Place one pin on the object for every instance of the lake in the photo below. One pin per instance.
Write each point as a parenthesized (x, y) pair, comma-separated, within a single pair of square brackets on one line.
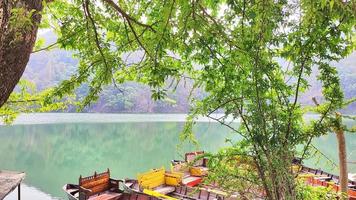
[(54, 149)]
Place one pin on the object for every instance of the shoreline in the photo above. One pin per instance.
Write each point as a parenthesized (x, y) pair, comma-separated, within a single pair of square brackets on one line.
[(58, 118)]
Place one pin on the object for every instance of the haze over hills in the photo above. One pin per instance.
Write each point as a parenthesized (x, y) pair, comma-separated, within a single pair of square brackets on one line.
[(48, 68), (347, 73)]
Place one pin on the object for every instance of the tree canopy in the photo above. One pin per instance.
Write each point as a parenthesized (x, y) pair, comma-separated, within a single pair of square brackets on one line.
[(232, 50)]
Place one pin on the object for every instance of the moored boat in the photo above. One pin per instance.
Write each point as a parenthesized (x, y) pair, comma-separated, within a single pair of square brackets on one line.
[(316, 177), (180, 183), (72, 191), (312, 176), (101, 187), (161, 184), (156, 184)]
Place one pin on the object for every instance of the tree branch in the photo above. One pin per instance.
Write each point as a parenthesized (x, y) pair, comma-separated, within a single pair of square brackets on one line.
[(97, 42), (164, 30), (22, 101), (127, 16), (138, 39)]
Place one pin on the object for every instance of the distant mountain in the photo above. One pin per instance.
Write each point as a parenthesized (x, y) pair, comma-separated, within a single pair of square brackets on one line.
[(48, 68)]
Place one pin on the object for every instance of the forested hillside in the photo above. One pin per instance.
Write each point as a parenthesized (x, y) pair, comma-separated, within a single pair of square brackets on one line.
[(48, 68)]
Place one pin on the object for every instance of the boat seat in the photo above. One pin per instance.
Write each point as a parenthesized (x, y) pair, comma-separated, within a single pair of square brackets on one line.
[(159, 182), (191, 181), (199, 165), (323, 178), (158, 178), (98, 187), (198, 171), (106, 196), (165, 189)]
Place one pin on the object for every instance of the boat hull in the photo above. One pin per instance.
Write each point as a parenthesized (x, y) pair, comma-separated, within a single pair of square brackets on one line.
[(71, 190)]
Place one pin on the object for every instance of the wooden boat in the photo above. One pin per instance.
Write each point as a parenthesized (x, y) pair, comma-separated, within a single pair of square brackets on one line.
[(180, 192), (153, 185), (316, 177), (99, 187), (72, 192), (312, 176), (192, 164), (160, 184), (180, 183)]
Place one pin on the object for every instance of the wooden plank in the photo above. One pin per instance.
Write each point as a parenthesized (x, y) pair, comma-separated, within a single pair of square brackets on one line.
[(153, 182), (198, 171), (173, 178), (150, 174), (90, 179), (158, 195), (98, 183), (99, 188), (106, 196), (165, 190), (94, 183), (192, 181), (9, 180), (151, 178)]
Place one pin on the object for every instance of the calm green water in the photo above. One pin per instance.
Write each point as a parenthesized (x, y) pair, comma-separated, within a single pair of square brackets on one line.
[(57, 153)]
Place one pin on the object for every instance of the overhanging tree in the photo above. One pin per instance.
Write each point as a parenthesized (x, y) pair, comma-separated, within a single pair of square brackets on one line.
[(252, 57), (231, 49)]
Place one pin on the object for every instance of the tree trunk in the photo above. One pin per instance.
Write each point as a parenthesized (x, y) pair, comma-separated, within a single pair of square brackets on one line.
[(16, 43), (342, 161)]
